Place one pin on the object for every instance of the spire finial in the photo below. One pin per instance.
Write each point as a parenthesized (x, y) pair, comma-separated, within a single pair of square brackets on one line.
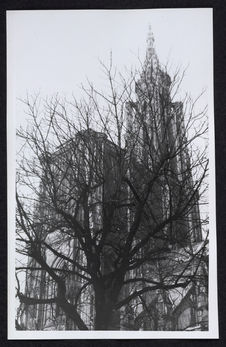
[(150, 37), (151, 54)]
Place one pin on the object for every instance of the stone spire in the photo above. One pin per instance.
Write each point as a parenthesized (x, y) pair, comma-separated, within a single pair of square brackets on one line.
[(151, 56)]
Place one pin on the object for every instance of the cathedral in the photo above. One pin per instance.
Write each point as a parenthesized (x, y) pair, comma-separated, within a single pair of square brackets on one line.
[(151, 171)]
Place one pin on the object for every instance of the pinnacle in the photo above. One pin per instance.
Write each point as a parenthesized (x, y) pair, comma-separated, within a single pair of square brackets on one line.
[(151, 53)]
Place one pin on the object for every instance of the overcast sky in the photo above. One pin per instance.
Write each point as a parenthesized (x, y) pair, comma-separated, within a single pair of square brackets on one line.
[(55, 51)]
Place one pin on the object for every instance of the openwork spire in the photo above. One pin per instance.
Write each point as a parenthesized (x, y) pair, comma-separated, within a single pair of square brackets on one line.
[(151, 56)]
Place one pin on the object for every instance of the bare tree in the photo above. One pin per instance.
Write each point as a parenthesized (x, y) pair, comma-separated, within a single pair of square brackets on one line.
[(108, 197)]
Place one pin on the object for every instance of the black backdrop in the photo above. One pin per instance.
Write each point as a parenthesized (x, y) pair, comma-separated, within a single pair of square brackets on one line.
[(219, 19)]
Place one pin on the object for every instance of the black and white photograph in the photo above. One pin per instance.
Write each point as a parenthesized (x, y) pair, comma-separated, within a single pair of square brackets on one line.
[(111, 174)]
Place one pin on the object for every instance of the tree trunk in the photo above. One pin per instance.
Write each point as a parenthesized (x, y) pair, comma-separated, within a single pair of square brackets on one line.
[(103, 316), (106, 317)]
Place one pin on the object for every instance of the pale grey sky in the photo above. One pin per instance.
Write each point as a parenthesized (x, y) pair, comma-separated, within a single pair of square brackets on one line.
[(55, 51)]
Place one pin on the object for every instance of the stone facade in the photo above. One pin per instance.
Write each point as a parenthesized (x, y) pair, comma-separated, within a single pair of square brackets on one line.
[(161, 310)]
